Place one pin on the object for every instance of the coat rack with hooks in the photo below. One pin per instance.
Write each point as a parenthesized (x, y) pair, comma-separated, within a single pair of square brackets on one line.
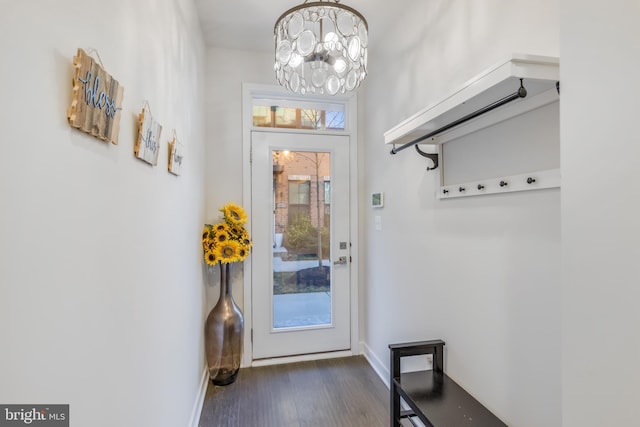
[(506, 184), (486, 100)]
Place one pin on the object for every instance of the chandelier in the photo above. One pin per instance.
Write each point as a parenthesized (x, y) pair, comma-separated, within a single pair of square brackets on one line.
[(321, 48)]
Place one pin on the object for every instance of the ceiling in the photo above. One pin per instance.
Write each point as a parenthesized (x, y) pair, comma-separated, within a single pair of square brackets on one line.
[(248, 24)]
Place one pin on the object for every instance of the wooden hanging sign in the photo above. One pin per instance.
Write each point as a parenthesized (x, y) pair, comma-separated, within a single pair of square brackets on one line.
[(97, 99), (176, 155), (147, 146)]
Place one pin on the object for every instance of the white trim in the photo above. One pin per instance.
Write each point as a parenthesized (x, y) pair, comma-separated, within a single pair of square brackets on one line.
[(377, 365), (351, 126), (247, 122), (301, 358), (299, 177), (287, 102), (197, 405), (262, 91), (249, 91), (294, 130)]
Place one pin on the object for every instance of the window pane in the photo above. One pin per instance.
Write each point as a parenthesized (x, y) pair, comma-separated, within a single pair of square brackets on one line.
[(294, 114), (327, 203), (311, 119), (261, 116), (335, 120), (287, 118), (327, 192), (299, 192)]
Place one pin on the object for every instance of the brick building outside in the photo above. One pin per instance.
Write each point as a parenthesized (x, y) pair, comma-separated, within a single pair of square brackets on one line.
[(302, 185)]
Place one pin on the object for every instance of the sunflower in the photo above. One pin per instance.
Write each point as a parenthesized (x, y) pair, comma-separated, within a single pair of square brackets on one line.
[(210, 245), (234, 214), (244, 238), (221, 237), (227, 241), (211, 258), (228, 251), (206, 232)]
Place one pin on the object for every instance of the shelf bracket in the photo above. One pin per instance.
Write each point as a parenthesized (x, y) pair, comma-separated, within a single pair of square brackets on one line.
[(433, 157)]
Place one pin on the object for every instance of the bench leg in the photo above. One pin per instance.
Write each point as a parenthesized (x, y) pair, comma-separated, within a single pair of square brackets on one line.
[(394, 407)]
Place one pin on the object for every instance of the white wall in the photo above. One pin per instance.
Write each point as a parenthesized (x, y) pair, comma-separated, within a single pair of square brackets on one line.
[(226, 71), (101, 294), (481, 273), (600, 211)]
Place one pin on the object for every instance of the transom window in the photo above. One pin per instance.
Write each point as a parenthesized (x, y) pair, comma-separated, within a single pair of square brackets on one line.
[(278, 113)]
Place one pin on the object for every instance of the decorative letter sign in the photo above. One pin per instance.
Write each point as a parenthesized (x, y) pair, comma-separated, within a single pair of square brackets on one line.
[(176, 156), (97, 99), (148, 144)]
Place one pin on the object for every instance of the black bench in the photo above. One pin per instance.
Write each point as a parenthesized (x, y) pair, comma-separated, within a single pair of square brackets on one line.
[(434, 398)]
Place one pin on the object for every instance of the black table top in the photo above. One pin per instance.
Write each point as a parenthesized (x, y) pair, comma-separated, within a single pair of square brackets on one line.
[(443, 402)]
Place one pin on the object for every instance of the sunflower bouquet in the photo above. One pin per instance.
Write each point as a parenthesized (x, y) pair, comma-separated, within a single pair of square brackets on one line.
[(227, 241)]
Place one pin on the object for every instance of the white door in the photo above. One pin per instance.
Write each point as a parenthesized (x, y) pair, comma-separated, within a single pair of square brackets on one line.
[(300, 258)]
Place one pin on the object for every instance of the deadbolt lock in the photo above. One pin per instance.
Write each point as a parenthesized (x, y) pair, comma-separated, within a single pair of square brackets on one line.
[(341, 260)]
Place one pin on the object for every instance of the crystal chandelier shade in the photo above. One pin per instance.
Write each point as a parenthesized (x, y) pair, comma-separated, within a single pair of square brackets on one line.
[(321, 48)]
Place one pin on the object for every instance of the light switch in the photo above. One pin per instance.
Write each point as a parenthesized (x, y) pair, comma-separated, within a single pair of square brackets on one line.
[(378, 222)]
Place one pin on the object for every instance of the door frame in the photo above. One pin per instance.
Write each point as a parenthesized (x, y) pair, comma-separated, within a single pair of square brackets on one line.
[(249, 92)]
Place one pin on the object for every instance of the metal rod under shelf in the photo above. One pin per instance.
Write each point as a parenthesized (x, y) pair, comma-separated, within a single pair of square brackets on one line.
[(520, 93)]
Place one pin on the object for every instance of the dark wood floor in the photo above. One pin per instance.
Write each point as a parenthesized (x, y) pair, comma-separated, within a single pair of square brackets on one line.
[(343, 392)]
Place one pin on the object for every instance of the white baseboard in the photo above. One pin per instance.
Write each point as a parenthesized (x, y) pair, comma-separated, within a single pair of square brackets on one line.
[(197, 406), (376, 364), (301, 358)]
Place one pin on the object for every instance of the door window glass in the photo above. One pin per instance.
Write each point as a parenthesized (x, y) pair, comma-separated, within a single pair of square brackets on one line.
[(301, 250)]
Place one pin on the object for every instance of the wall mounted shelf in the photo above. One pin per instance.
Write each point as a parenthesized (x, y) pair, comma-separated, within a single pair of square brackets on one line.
[(490, 98)]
